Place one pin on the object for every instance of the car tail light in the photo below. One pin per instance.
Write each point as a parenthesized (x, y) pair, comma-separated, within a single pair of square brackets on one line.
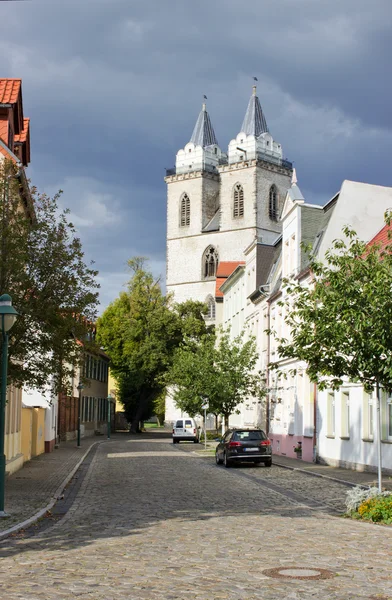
[(234, 444), (265, 443), (173, 430), (194, 431)]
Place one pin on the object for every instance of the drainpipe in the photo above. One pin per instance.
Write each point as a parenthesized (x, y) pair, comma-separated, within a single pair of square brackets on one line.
[(315, 453), (268, 406)]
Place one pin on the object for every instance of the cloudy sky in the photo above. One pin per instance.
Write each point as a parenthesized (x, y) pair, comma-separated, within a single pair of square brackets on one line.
[(113, 89)]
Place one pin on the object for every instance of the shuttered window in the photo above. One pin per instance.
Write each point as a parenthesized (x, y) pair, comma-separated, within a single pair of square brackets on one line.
[(238, 204), (185, 217), (273, 203)]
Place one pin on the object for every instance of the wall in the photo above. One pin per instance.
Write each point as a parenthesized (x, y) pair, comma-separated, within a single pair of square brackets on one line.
[(27, 433), (38, 431), (13, 437)]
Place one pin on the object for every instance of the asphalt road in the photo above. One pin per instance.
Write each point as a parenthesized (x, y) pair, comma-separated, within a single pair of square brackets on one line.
[(149, 520)]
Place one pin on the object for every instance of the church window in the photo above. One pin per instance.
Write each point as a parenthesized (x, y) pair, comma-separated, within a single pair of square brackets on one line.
[(238, 205), (210, 308), (185, 216), (210, 262), (273, 203)]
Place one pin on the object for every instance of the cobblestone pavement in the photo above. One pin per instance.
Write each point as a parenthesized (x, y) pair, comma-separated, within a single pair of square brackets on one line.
[(31, 488), (152, 521)]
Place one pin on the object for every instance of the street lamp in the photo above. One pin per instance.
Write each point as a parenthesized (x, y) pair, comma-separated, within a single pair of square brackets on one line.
[(110, 399), (79, 388), (7, 318)]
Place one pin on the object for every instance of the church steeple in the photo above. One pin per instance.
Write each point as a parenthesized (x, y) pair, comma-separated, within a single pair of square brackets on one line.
[(254, 121), (203, 134)]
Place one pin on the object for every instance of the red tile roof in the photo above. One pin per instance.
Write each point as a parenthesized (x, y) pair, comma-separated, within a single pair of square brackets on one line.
[(4, 130), (22, 136), (9, 90), (383, 237), (225, 269)]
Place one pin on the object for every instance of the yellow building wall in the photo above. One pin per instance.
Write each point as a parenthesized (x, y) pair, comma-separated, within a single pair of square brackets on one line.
[(13, 437), (38, 432), (27, 432)]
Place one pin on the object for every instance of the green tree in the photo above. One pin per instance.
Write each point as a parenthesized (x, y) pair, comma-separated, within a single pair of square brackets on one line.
[(341, 324), (221, 370), (42, 267), (140, 331)]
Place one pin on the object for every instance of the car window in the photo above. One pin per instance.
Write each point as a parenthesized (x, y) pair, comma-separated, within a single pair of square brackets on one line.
[(179, 424), (227, 436), (188, 423), (249, 436)]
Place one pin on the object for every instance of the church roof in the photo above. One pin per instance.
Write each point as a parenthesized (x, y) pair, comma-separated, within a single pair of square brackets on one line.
[(254, 121), (203, 134)]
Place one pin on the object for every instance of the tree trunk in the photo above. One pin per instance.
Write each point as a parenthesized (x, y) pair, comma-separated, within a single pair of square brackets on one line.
[(139, 414)]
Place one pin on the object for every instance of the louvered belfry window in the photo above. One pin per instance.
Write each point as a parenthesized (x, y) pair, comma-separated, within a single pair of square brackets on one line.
[(185, 218), (273, 203), (238, 206)]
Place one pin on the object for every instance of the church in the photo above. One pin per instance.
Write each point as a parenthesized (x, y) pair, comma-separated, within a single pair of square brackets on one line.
[(220, 205), (219, 202)]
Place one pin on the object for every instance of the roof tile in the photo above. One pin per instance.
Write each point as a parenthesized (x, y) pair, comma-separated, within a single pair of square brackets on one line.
[(9, 90)]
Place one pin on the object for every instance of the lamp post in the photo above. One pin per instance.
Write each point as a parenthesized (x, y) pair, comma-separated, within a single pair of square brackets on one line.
[(7, 318), (110, 398), (79, 388)]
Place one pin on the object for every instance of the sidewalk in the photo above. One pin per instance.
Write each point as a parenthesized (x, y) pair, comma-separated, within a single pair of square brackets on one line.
[(345, 475), (40, 480)]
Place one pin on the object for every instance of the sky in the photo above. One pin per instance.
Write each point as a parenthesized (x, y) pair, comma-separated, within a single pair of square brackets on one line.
[(114, 87)]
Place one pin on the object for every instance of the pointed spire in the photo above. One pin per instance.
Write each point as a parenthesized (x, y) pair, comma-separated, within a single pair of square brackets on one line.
[(254, 121), (294, 179), (203, 134)]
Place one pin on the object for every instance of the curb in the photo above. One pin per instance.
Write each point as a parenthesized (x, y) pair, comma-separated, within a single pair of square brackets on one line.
[(314, 474), (57, 493)]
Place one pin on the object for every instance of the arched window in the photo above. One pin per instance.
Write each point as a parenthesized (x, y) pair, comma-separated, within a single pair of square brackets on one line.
[(211, 308), (210, 262), (273, 203), (238, 204), (185, 211)]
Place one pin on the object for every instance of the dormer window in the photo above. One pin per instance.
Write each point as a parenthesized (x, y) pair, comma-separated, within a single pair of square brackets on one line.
[(238, 201)]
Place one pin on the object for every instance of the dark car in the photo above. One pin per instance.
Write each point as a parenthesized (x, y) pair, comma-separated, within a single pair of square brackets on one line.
[(244, 445)]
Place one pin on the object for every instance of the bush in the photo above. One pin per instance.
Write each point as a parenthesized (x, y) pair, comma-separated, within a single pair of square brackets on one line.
[(370, 505), (378, 509)]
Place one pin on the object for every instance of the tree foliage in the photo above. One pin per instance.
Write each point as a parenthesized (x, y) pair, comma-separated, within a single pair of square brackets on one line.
[(221, 370), (140, 331), (42, 267), (341, 325)]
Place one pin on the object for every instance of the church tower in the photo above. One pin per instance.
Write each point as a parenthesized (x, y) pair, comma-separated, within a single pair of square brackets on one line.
[(218, 203)]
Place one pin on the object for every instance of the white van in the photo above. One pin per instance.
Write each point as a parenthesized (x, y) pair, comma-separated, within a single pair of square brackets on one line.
[(185, 430)]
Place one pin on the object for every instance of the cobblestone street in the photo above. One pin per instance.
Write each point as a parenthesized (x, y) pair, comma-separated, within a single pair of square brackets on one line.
[(154, 521)]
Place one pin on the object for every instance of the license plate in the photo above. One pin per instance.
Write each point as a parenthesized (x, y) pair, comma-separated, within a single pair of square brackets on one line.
[(251, 449)]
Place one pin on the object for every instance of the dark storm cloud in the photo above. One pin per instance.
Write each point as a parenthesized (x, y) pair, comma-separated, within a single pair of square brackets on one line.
[(114, 87)]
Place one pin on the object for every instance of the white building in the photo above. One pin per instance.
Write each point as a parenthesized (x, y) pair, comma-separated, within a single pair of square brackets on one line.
[(219, 203), (336, 427)]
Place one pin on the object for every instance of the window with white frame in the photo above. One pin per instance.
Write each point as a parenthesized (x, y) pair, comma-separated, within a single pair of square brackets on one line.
[(368, 421), (345, 414), (331, 414), (389, 418)]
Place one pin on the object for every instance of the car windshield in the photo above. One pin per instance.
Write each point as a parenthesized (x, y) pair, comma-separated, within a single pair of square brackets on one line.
[(249, 436), (179, 424)]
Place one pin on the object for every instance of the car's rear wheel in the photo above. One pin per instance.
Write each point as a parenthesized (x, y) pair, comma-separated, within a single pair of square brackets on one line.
[(218, 460), (175, 441), (226, 461), (268, 463), (195, 441)]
